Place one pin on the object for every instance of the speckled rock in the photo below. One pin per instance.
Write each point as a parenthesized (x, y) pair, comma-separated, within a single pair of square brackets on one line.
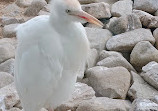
[(155, 34), (9, 97), (105, 81), (5, 79), (98, 37), (126, 41), (146, 5), (143, 53), (140, 89), (9, 30), (98, 10), (150, 75), (35, 7), (86, 1), (111, 60), (81, 92), (7, 66), (125, 23), (144, 105), (121, 8), (104, 104), (11, 20), (7, 52), (147, 19), (23, 3)]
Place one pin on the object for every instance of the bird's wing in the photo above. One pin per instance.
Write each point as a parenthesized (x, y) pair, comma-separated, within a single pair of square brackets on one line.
[(38, 66)]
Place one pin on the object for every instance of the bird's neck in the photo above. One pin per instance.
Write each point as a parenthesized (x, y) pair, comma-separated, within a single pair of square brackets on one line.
[(59, 24)]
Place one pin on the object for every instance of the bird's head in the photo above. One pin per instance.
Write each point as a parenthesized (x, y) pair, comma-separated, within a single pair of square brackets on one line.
[(70, 10)]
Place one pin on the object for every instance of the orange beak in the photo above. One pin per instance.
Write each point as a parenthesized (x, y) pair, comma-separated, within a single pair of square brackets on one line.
[(89, 18)]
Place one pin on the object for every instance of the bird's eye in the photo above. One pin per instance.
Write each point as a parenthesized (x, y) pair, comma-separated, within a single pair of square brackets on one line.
[(68, 11)]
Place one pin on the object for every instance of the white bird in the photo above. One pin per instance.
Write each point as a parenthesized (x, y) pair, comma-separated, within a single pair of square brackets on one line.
[(50, 52)]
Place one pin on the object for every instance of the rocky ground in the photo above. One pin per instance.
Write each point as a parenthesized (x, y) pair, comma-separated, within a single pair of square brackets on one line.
[(122, 69)]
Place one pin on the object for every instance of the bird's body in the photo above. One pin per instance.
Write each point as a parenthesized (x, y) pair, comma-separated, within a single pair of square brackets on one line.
[(50, 53)]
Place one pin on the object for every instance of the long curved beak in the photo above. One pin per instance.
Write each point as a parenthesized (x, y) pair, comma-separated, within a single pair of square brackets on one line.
[(89, 18)]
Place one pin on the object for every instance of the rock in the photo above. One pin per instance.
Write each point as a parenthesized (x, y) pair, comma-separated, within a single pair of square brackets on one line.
[(147, 19), (140, 89), (93, 26), (108, 1), (14, 109), (124, 24), (98, 10), (104, 104), (81, 92), (144, 105), (12, 10), (12, 41), (23, 3), (5, 79), (41, 12), (114, 61), (35, 7), (9, 30), (121, 8), (156, 13), (126, 41), (155, 34), (7, 66), (150, 75), (45, 10), (111, 21), (98, 37), (87, 1), (92, 58), (155, 99), (105, 81), (7, 52), (9, 97), (150, 6), (142, 54), (11, 20)]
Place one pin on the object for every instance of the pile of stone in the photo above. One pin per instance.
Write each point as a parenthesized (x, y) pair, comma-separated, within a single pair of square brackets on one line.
[(122, 69)]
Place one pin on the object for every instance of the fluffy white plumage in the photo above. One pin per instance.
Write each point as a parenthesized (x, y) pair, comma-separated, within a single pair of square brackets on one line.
[(51, 50)]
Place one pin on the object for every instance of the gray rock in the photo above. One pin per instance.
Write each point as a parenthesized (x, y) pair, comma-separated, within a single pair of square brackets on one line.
[(140, 89), (143, 53), (12, 41), (104, 104), (8, 66), (150, 75), (9, 97), (111, 21), (124, 24), (156, 13), (98, 37), (23, 3), (126, 41), (14, 109), (108, 1), (155, 99), (5, 79), (12, 10), (147, 19), (121, 8), (87, 1), (92, 58), (155, 34), (98, 10), (11, 20), (114, 61), (105, 81), (93, 26), (7, 52), (144, 105), (81, 92), (9, 30), (146, 5), (35, 7)]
